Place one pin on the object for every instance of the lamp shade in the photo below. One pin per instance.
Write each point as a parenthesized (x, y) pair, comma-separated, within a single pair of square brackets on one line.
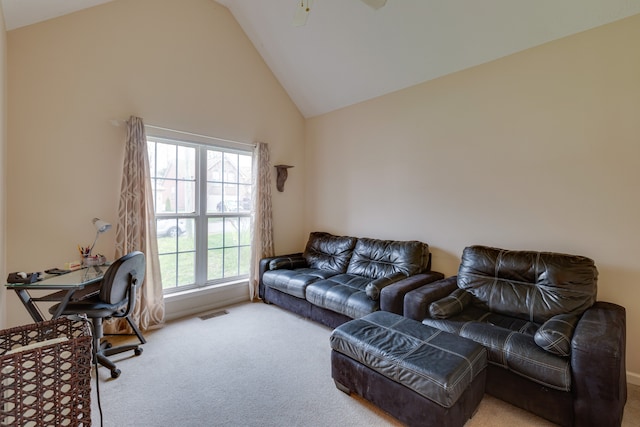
[(101, 225)]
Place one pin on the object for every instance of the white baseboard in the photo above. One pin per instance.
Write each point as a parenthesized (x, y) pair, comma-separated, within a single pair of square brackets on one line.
[(633, 378), (192, 302)]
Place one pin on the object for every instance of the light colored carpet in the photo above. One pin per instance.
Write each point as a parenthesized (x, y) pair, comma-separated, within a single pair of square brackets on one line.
[(258, 365)]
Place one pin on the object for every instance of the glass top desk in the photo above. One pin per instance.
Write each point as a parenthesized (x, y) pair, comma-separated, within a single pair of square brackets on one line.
[(75, 285)]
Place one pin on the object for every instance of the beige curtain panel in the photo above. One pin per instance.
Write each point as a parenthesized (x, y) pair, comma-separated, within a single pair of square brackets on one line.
[(262, 224), (136, 230)]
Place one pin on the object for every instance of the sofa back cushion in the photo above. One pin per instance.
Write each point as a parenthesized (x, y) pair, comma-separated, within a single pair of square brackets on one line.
[(375, 258), (533, 286), (325, 251)]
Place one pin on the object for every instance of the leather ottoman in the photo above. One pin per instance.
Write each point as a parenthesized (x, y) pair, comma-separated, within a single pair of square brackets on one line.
[(419, 374)]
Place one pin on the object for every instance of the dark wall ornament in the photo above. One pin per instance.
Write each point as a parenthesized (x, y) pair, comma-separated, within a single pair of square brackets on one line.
[(282, 176)]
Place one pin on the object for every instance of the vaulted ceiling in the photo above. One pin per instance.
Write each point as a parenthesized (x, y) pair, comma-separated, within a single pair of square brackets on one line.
[(349, 52), (19, 13)]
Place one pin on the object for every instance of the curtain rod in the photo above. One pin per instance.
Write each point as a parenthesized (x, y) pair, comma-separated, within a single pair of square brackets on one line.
[(201, 136), (117, 123)]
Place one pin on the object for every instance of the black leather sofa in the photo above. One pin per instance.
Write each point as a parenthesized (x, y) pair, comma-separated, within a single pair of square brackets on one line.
[(339, 278), (552, 348)]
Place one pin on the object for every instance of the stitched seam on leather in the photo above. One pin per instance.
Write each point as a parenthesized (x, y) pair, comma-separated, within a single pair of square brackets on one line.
[(525, 327), (536, 380), (442, 308), (504, 351), (565, 322), (397, 360), (462, 328), (498, 349), (484, 316), (536, 362), (563, 370), (486, 276), (496, 275), (478, 356), (555, 346), (535, 290), (428, 343)]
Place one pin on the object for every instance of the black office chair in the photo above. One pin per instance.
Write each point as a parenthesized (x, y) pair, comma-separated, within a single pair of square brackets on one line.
[(117, 298)]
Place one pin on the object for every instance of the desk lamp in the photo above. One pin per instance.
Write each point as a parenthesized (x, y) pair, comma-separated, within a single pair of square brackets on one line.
[(101, 227)]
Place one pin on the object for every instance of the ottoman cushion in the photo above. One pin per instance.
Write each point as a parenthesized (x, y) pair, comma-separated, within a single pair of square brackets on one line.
[(433, 363)]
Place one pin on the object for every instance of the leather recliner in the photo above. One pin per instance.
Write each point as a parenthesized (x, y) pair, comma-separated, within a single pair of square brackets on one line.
[(552, 348)]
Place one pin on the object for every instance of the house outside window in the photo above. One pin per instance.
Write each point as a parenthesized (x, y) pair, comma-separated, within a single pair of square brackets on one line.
[(202, 200)]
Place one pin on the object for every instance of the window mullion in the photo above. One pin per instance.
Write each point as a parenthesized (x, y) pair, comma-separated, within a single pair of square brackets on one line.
[(202, 231)]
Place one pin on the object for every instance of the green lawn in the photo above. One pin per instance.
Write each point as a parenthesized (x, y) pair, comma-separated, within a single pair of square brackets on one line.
[(228, 256)]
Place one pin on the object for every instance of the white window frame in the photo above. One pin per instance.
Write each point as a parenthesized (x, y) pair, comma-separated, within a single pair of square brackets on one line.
[(201, 144)]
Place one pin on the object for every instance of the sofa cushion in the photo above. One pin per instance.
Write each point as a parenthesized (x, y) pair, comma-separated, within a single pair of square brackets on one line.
[(555, 334), (379, 258), (456, 323), (452, 304), (510, 344), (294, 282), (325, 251), (534, 286), (343, 293), (519, 353)]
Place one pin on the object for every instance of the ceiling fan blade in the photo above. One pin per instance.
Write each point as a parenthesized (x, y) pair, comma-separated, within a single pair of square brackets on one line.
[(302, 13), (376, 4)]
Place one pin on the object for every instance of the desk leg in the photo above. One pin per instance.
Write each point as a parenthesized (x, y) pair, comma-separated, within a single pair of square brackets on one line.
[(29, 305), (63, 303)]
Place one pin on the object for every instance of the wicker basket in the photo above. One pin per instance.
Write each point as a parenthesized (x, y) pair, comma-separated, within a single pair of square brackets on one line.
[(45, 374)]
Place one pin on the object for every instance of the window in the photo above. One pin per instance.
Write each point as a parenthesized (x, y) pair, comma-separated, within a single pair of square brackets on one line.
[(202, 199)]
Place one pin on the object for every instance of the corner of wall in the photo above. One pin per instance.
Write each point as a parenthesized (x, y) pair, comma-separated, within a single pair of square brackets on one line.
[(3, 169)]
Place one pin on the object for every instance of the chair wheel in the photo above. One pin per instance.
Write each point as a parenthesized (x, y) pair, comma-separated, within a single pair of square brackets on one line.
[(115, 373), (137, 351)]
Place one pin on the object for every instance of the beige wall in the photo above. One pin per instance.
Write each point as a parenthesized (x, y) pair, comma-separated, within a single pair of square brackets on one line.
[(183, 65), (3, 165), (539, 150)]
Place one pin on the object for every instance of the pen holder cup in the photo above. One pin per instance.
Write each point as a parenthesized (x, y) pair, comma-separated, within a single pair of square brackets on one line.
[(90, 261)]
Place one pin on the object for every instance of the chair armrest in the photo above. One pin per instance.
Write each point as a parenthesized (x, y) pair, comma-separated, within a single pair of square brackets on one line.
[(264, 265), (598, 365), (416, 302), (392, 296)]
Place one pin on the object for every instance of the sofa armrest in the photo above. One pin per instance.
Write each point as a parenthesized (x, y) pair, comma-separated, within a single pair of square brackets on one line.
[(416, 302), (598, 365), (392, 296), (288, 262), (264, 265), (375, 286)]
